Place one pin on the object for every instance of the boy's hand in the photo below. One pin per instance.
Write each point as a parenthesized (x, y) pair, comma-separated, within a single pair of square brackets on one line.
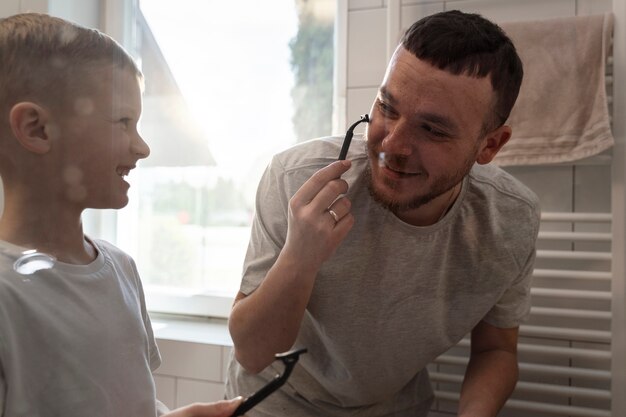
[(223, 408)]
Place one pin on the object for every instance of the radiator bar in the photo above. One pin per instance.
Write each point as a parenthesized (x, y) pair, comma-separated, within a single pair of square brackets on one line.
[(575, 217), (535, 368), (573, 274), (578, 255), (585, 335), (586, 236), (562, 293), (535, 387), (564, 410), (570, 313)]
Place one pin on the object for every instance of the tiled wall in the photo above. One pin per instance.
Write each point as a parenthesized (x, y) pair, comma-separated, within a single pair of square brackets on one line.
[(367, 34), (190, 372)]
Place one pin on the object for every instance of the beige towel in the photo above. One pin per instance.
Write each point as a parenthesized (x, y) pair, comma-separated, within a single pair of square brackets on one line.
[(562, 113)]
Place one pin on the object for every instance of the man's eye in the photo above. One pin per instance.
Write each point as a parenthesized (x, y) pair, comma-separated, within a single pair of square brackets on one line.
[(434, 132), (385, 108)]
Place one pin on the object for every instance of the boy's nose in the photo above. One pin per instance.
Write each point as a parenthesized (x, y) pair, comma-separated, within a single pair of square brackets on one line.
[(140, 148)]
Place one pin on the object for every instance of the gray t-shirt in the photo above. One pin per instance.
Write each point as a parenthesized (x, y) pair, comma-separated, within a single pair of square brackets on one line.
[(75, 340), (393, 296)]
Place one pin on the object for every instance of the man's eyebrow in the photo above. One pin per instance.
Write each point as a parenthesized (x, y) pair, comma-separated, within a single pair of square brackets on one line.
[(437, 119), (386, 95)]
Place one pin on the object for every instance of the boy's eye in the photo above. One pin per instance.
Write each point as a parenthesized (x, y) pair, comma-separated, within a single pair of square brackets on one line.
[(125, 122)]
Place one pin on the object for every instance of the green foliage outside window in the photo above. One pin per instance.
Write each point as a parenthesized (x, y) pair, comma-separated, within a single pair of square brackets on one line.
[(312, 65)]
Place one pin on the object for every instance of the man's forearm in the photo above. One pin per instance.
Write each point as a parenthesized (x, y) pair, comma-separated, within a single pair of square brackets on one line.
[(489, 381), (267, 321)]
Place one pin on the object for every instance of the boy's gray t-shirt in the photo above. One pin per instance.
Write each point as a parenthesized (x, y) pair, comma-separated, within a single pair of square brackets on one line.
[(393, 296), (76, 340)]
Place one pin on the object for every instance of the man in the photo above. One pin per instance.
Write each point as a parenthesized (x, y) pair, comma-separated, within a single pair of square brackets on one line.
[(381, 263)]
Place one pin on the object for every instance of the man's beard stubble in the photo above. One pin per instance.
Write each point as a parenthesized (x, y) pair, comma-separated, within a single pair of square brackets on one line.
[(439, 187)]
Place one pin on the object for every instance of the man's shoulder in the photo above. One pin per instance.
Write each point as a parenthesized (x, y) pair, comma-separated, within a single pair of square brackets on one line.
[(491, 179)]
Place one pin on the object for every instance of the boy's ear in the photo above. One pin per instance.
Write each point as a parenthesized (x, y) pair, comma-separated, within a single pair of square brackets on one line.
[(28, 122), (492, 143)]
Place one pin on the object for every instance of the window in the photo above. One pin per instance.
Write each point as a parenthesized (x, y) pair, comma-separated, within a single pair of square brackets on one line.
[(228, 84)]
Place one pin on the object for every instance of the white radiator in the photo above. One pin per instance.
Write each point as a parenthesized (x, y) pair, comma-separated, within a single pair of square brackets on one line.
[(565, 347)]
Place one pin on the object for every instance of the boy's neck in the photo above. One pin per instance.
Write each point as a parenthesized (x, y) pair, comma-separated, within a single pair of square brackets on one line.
[(53, 231)]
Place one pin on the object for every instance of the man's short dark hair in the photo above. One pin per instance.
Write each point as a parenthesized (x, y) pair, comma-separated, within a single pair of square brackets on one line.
[(469, 44)]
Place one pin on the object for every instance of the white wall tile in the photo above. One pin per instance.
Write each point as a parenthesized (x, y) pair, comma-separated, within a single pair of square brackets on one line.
[(359, 101), (515, 10), (84, 12), (9, 7), (553, 184), (588, 7), (38, 6), (190, 391), (190, 360), (226, 352), (411, 14), (409, 2), (367, 47), (364, 4), (166, 390)]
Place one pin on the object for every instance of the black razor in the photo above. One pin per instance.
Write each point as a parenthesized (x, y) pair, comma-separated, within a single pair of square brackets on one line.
[(346, 142), (289, 359)]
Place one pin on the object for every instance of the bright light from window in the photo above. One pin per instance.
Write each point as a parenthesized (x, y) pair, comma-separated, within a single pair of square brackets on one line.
[(224, 81)]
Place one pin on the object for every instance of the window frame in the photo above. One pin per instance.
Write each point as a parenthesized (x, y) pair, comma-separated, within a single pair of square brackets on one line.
[(118, 21)]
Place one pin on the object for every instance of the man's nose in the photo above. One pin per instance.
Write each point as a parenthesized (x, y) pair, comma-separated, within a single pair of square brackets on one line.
[(399, 139)]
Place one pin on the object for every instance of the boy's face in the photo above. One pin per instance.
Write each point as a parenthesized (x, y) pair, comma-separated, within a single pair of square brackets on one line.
[(98, 143)]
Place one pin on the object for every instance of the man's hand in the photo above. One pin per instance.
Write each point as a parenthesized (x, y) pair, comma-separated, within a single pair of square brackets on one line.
[(224, 408), (314, 233), (267, 321)]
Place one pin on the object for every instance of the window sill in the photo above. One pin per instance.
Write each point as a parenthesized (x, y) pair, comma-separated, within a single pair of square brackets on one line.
[(209, 331)]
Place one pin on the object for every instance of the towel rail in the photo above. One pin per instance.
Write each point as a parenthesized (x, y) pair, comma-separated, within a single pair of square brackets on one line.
[(572, 274), (535, 406), (570, 313), (535, 387), (566, 333), (579, 255), (576, 217), (570, 294), (555, 352), (539, 369), (576, 236)]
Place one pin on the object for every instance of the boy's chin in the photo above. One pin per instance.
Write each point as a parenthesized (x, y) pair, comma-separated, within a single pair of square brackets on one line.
[(113, 204)]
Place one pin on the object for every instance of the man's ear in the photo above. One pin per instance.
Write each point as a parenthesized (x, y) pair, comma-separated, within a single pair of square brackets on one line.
[(492, 143), (28, 122)]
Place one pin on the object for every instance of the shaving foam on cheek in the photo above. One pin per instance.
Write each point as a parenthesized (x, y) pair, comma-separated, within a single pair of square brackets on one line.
[(381, 159)]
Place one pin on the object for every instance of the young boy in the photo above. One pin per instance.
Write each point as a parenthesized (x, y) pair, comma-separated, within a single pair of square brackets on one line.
[(75, 339)]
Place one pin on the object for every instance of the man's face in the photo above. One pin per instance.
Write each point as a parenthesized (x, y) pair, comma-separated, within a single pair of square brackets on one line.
[(428, 123), (98, 140)]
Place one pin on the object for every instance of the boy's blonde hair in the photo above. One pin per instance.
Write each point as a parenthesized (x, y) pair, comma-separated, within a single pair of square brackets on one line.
[(46, 59)]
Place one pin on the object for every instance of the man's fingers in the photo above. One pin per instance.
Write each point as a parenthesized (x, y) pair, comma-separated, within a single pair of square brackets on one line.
[(318, 181)]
